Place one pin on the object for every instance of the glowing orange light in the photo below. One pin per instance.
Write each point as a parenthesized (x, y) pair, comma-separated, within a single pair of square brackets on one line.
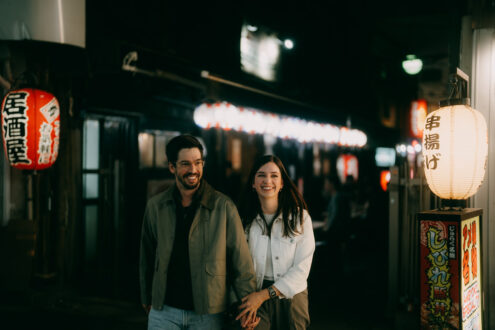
[(418, 117), (384, 179)]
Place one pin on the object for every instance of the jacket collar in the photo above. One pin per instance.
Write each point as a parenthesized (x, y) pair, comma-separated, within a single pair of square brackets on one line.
[(207, 198), (279, 217)]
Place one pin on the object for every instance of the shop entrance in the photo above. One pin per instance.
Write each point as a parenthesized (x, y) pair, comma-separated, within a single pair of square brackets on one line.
[(110, 222)]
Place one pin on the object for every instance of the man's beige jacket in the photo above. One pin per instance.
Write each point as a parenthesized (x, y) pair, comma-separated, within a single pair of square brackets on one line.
[(218, 252)]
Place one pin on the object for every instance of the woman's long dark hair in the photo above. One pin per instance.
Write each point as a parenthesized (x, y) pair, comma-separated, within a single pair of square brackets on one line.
[(290, 201)]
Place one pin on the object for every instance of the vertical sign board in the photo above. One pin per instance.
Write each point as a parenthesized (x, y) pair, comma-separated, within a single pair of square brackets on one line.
[(471, 274), (450, 269)]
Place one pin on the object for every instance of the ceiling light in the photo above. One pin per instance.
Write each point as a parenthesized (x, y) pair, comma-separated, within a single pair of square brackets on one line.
[(289, 44), (412, 65)]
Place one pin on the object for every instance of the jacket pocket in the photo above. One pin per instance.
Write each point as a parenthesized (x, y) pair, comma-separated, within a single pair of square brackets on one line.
[(216, 286), (289, 240)]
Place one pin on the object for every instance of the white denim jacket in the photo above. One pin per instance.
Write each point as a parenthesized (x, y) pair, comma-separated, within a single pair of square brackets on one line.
[(291, 256)]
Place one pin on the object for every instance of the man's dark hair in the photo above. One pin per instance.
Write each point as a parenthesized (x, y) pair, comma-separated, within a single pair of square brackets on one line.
[(180, 142)]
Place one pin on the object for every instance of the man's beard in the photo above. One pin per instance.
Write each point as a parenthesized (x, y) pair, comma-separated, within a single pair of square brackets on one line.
[(185, 184)]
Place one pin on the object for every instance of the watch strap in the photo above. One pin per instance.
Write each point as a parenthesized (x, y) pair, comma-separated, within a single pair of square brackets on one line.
[(272, 292)]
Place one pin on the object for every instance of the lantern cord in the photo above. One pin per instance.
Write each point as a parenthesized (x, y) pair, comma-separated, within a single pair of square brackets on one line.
[(454, 87), (27, 79)]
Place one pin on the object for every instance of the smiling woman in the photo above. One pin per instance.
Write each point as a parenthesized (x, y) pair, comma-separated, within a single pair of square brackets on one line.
[(268, 183), (281, 241)]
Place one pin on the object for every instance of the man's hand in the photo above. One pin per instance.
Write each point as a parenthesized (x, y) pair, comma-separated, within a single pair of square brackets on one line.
[(251, 324), (146, 308), (250, 305)]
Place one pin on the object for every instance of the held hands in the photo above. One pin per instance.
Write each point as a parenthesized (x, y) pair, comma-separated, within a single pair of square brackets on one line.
[(248, 324), (146, 308), (250, 305)]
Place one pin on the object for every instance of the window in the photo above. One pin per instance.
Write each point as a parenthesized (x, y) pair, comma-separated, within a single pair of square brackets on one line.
[(152, 148)]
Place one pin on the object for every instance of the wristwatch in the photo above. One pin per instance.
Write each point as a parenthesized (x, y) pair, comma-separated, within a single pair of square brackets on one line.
[(272, 292)]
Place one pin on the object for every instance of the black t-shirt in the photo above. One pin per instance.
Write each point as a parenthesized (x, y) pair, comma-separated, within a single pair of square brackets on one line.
[(179, 286)]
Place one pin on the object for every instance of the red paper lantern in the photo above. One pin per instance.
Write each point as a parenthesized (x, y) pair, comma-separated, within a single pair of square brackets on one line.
[(418, 117), (347, 165), (30, 128)]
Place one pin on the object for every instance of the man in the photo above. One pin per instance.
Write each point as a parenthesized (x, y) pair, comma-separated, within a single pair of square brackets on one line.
[(193, 248)]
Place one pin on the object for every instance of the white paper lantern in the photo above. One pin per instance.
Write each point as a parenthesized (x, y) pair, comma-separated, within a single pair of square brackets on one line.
[(455, 149)]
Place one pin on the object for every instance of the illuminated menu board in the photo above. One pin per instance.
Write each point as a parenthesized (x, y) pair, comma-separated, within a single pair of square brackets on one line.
[(450, 269)]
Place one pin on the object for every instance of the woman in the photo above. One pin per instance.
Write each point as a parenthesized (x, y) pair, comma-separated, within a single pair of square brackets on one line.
[(281, 242)]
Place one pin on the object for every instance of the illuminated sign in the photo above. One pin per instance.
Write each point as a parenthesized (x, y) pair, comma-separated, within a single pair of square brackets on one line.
[(385, 157), (450, 269), (471, 280)]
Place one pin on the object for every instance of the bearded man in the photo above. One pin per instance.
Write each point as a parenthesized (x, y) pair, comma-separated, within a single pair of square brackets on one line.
[(193, 248)]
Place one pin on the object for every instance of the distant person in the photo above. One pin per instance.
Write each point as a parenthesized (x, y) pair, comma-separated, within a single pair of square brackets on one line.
[(193, 248), (339, 208), (281, 241), (336, 228)]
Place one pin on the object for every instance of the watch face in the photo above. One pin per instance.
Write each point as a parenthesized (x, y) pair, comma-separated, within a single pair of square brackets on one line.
[(273, 294)]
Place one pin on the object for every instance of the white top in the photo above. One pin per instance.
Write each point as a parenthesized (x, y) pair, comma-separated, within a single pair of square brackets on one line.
[(269, 264), (291, 256)]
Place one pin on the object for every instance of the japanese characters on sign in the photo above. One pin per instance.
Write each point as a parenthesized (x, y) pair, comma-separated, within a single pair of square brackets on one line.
[(438, 275), (471, 281), (450, 274), (439, 282), (31, 128)]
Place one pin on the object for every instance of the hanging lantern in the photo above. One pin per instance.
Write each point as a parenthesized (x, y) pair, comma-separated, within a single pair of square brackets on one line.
[(455, 149), (30, 128), (418, 115), (347, 165)]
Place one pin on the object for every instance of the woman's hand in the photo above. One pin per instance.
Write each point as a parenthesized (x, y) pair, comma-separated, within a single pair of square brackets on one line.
[(250, 305), (250, 324)]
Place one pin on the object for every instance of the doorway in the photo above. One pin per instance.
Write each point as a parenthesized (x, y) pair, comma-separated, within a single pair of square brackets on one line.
[(111, 223)]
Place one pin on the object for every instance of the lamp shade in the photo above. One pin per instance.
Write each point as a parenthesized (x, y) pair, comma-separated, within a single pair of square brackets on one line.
[(455, 149), (30, 128)]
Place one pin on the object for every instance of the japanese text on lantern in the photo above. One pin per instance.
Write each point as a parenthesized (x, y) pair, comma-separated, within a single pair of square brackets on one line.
[(50, 112), (438, 275), (432, 142), (15, 127)]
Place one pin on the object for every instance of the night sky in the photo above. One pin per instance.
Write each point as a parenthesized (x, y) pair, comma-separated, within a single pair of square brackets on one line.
[(346, 60)]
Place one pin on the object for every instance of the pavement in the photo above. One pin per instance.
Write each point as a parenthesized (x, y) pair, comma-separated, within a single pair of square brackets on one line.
[(347, 291)]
